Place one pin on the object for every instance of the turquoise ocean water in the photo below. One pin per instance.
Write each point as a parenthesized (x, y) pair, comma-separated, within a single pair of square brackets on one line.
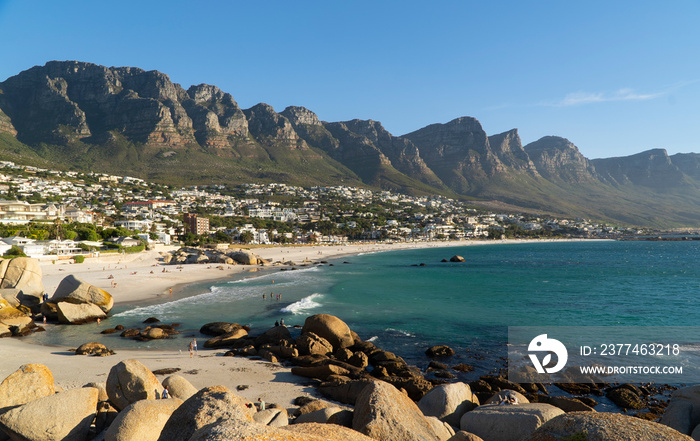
[(405, 308)]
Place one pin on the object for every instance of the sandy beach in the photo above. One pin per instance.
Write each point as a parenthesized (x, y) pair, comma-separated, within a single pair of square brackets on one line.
[(141, 277)]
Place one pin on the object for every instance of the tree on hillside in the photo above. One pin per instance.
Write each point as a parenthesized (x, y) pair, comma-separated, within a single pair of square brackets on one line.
[(246, 237)]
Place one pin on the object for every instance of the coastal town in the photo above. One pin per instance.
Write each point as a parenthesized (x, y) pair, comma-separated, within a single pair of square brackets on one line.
[(58, 213)]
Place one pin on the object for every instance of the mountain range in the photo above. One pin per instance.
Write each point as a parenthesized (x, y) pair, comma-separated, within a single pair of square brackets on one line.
[(126, 120)]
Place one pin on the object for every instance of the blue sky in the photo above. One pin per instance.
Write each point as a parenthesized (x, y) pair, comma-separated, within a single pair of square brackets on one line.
[(615, 78)]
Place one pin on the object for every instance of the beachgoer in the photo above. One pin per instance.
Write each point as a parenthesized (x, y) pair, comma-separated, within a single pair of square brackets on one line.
[(44, 319), (191, 350), (170, 290), (261, 403), (281, 322), (277, 323), (98, 320), (263, 296), (194, 345), (165, 395)]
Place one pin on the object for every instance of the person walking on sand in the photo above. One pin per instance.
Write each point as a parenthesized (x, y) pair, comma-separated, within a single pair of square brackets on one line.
[(191, 350), (194, 345)]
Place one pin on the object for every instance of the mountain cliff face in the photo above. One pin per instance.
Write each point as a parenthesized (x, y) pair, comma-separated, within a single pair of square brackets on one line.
[(127, 120), (458, 152), (215, 116), (653, 168), (509, 149), (557, 158), (6, 125)]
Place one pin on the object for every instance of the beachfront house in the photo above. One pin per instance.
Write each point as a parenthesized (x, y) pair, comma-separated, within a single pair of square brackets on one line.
[(124, 241), (62, 247), (30, 247)]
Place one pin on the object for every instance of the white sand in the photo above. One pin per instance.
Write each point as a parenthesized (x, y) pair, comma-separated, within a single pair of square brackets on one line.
[(132, 273)]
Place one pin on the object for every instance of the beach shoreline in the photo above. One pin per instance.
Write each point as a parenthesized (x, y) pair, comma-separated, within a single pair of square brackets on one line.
[(144, 278)]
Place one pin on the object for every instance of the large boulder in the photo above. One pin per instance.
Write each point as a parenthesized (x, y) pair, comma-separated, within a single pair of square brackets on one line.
[(76, 314), (318, 416), (276, 417), (234, 430), (325, 432), (73, 290), (28, 383), (274, 336), (5, 331), (14, 296), (130, 381), (439, 351), (683, 411), (101, 387), (331, 328), (23, 274), (179, 387), (448, 402), (443, 430), (320, 372), (227, 339), (509, 422), (312, 344), (219, 328), (245, 257), (208, 407), (153, 333), (93, 348), (384, 413), (599, 426), (64, 416), (344, 391), (11, 316), (142, 420)]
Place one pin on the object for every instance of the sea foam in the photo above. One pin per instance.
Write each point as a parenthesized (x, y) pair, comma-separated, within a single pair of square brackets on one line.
[(303, 305)]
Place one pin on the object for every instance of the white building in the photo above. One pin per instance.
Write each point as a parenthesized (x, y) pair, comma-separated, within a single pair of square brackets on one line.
[(141, 225)]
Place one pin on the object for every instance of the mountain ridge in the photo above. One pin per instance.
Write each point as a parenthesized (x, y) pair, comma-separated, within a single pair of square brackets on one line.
[(128, 120)]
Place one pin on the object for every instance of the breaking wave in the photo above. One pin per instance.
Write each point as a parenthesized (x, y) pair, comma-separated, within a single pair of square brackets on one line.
[(303, 305)]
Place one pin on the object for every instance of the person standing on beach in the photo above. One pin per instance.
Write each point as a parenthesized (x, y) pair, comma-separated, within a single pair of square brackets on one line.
[(191, 350), (194, 345)]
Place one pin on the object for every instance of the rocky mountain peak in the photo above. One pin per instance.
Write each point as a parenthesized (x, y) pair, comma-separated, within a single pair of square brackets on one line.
[(557, 158), (458, 152), (372, 130), (263, 121), (300, 115), (205, 93), (508, 147)]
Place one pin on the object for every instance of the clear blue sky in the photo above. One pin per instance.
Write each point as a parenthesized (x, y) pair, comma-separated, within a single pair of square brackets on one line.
[(614, 77)]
